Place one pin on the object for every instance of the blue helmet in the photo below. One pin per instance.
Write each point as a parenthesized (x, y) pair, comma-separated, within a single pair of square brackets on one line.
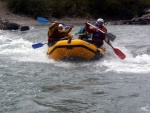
[(67, 27)]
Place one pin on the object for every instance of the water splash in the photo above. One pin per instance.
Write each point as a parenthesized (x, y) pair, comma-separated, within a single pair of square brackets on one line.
[(18, 46), (131, 64), (146, 108)]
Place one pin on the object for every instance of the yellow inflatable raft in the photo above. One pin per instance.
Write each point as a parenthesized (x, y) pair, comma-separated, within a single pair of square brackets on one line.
[(76, 49)]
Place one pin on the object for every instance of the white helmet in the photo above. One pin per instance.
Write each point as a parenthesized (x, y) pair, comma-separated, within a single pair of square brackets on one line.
[(100, 20), (60, 25)]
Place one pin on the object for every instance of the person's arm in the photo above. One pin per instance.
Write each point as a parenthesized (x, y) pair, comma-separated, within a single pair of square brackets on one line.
[(89, 30), (53, 25), (68, 30), (52, 28), (70, 35), (65, 33)]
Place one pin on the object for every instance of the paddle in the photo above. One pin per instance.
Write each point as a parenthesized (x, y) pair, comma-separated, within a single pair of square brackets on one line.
[(79, 34), (38, 45), (42, 20), (109, 35), (118, 52)]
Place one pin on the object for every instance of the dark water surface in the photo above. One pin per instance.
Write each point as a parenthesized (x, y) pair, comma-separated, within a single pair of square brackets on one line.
[(30, 82)]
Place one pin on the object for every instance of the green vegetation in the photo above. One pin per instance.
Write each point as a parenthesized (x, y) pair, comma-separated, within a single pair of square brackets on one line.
[(113, 9)]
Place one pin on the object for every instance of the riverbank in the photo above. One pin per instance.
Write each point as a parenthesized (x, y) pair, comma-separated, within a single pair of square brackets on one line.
[(24, 20), (6, 14)]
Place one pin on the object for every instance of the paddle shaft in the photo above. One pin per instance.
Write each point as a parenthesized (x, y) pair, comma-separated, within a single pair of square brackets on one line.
[(38, 45), (110, 36), (96, 27)]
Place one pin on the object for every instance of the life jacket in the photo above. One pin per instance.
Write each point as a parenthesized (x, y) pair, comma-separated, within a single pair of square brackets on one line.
[(55, 36), (84, 31), (98, 36)]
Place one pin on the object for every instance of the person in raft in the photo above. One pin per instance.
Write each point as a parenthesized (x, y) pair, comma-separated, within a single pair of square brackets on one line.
[(56, 33), (83, 34), (97, 36), (69, 34)]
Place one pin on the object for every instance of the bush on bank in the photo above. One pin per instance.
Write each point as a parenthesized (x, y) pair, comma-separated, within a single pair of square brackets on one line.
[(113, 9)]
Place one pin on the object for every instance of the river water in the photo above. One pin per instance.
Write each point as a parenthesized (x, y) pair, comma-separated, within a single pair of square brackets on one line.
[(30, 82)]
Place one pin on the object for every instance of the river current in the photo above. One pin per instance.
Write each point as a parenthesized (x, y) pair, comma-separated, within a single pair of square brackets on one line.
[(30, 82)]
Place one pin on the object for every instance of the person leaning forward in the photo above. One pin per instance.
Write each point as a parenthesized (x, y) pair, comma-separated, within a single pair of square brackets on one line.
[(55, 34), (98, 37)]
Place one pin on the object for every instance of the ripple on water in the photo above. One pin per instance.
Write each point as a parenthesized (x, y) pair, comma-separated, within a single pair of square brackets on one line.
[(61, 87)]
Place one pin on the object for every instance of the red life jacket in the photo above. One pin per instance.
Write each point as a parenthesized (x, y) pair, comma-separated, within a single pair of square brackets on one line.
[(98, 36)]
